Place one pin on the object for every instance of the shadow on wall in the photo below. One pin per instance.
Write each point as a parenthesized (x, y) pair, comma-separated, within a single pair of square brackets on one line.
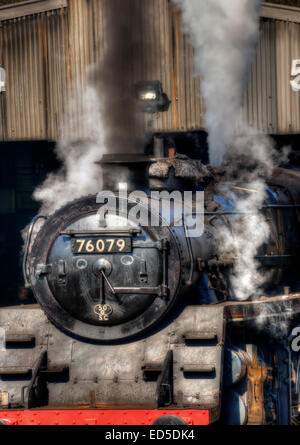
[(194, 144), (23, 166)]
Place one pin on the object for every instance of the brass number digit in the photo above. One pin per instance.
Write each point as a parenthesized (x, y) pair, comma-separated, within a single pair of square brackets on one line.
[(81, 242), (121, 244), (90, 247), (100, 245), (111, 242)]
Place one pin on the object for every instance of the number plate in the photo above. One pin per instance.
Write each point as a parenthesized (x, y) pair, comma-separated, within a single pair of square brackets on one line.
[(96, 246)]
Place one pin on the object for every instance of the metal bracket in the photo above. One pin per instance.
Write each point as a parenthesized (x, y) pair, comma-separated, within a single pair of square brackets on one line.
[(143, 272), (43, 269), (164, 391), (102, 232), (162, 290), (42, 360)]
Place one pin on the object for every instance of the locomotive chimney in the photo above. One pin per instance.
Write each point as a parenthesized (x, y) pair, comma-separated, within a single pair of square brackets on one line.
[(119, 169)]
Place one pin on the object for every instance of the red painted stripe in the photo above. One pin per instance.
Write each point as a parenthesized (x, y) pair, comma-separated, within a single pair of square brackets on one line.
[(233, 316), (100, 417)]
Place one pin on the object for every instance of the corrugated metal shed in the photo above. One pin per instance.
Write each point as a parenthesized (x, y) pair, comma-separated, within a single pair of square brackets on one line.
[(33, 55), (46, 55), (288, 101), (260, 104)]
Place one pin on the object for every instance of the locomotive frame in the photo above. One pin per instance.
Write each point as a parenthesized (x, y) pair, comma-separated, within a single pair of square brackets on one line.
[(196, 354)]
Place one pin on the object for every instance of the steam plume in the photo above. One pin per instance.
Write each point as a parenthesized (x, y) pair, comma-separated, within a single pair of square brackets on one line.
[(114, 78), (79, 175), (275, 318), (104, 111), (223, 33), (252, 158)]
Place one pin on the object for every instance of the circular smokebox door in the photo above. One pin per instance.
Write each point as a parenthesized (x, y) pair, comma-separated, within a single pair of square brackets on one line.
[(103, 280)]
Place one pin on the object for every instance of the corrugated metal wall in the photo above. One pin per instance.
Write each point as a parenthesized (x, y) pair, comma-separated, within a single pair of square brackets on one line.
[(260, 105), (187, 100), (46, 56), (33, 52), (88, 44), (287, 49)]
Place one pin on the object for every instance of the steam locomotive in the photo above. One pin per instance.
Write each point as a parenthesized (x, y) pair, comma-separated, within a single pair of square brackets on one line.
[(139, 324)]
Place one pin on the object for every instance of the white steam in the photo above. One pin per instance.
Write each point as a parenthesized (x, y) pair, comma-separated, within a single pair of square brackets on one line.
[(274, 318), (103, 115), (80, 175), (252, 159), (223, 33), (242, 241)]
